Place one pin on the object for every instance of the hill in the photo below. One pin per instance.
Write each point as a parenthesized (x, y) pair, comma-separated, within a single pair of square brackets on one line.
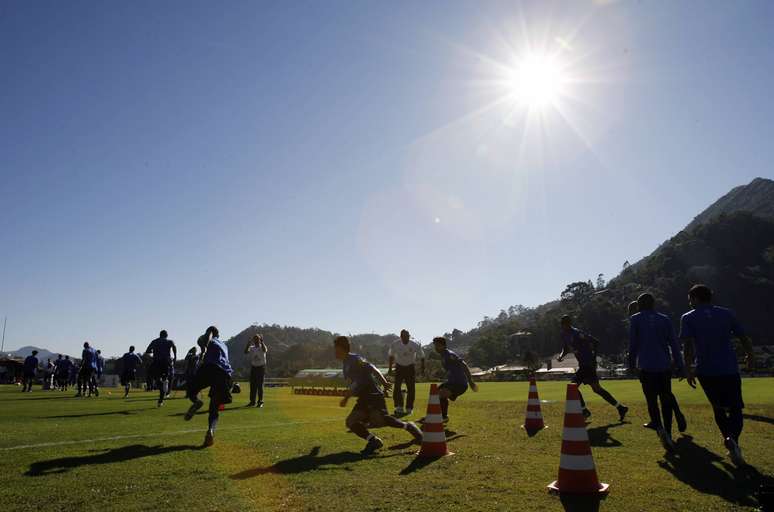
[(757, 198), (23, 352)]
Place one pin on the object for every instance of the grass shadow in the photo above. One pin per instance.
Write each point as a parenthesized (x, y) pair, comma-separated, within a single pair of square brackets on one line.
[(422, 462), (755, 417), (107, 456), (580, 503), (86, 415), (601, 438), (312, 461), (450, 434), (57, 397), (709, 473)]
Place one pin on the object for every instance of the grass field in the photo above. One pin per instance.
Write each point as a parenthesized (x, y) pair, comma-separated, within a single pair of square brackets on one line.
[(107, 453)]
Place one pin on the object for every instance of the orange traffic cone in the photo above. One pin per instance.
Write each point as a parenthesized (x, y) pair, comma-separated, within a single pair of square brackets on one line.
[(433, 435), (577, 474), (533, 423)]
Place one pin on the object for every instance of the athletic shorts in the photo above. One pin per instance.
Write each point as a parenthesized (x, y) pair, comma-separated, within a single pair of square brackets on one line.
[(216, 379), (159, 370), (455, 388), (371, 411), (723, 390), (656, 383), (586, 375), (128, 376), (86, 372)]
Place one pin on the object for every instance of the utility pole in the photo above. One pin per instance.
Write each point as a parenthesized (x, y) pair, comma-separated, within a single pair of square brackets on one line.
[(2, 347)]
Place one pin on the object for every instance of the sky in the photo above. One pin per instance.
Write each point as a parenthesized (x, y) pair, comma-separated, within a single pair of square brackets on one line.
[(355, 166)]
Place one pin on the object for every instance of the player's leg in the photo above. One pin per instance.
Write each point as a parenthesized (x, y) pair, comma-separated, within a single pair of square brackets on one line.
[(667, 403), (397, 392), (605, 394), (259, 384), (380, 417), (651, 399), (411, 385), (200, 380), (253, 385)]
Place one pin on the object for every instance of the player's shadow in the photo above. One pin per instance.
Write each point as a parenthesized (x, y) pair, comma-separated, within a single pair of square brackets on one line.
[(86, 415), (107, 456), (755, 417), (450, 435), (580, 503), (601, 438), (312, 461), (709, 473), (56, 397)]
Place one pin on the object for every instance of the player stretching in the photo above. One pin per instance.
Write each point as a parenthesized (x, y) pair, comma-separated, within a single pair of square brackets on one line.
[(651, 339), (129, 364), (370, 409), (159, 369), (88, 367), (457, 377), (707, 331), (215, 372), (585, 348)]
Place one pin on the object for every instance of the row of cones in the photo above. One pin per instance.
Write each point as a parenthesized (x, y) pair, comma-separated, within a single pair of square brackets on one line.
[(577, 473)]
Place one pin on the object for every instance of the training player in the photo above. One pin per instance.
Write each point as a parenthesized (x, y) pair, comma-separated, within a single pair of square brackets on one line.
[(215, 372), (159, 368), (706, 332), (457, 377), (682, 424), (129, 364), (652, 350), (404, 353), (30, 370), (584, 347), (88, 367), (370, 409), (95, 378)]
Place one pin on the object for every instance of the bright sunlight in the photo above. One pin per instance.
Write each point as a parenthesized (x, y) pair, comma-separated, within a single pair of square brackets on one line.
[(537, 81)]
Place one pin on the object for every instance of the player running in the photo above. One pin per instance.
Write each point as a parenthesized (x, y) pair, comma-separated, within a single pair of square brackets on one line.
[(457, 377), (30, 370), (651, 340), (682, 424), (159, 368), (707, 331), (370, 409), (215, 372), (584, 347), (88, 367), (404, 353), (130, 361)]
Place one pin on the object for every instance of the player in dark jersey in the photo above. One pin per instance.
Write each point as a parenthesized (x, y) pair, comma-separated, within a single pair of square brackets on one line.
[(87, 370), (130, 362), (458, 377), (159, 369), (584, 346), (365, 382)]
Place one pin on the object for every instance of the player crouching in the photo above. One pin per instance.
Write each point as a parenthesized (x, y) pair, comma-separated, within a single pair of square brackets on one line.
[(371, 409)]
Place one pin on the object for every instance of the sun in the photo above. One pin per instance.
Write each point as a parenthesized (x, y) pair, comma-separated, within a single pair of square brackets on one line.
[(537, 81)]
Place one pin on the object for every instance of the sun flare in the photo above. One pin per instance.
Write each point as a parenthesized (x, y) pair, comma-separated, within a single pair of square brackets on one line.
[(537, 81)]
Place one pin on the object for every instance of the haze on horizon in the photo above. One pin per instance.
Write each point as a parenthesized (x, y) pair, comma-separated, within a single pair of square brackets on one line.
[(358, 167)]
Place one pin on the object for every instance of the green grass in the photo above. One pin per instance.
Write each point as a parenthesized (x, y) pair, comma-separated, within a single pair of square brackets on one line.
[(295, 454)]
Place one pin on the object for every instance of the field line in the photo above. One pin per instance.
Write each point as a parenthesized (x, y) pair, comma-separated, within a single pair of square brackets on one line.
[(160, 434)]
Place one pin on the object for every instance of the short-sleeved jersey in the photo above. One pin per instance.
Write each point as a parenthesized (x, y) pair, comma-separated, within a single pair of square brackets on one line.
[(453, 364), (217, 354), (30, 364), (406, 354), (359, 373), (580, 344), (131, 361), (162, 350), (100, 364), (711, 328), (651, 338), (89, 358)]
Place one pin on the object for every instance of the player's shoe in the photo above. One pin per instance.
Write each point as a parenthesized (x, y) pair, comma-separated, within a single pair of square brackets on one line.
[(371, 446), (398, 412), (666, 440), (735, 452), (409, 412), (159, 403), (259, 404), (445, 420), (586, 413), (250, 404), (209, 439), (622, 410), (192, 410), (682, 425), (650, 425), (414, 431)]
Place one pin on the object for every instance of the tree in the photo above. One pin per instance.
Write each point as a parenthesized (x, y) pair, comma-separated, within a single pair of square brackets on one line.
[(577, 294), (601, 282)]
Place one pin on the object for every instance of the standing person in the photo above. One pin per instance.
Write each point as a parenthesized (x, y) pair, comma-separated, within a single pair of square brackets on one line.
[(159, 368), (584, 346), (404, 353), (457, 377), (72, 376), (707, 331), (87, 370), (191, 365), (63, 368), (49, 377), (682, 424), (652, 350), (256, 350), (57, 378), (371, 408), (215, 372), (95, 379), (30, 370), (130, 361)]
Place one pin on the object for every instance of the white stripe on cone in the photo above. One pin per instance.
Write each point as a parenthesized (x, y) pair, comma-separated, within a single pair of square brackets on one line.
[(575, 434), (433, 418), (534, 415), (576, 462), (533, 401), (573, 407), (533, 389), (434, 400), (433, 437)]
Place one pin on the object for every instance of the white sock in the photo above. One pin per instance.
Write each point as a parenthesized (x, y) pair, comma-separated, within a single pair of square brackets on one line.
[(370, 436)]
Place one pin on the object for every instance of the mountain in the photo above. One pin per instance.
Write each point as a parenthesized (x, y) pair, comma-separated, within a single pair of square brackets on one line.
[(757, 198), (23, 352)]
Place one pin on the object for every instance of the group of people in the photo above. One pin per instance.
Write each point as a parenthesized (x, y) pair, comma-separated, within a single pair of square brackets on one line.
[(63, 372), (706, 331)]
